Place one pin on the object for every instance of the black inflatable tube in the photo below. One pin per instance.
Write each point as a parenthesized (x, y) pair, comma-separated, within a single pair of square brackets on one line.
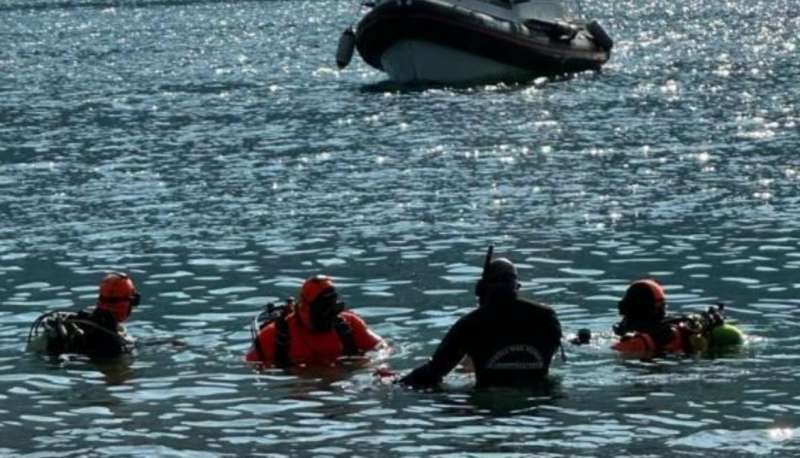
[(600, 36), (472, 32)]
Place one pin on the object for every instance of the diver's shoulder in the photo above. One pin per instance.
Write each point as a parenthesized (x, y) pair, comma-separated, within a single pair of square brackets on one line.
[(536, 306), (475, 317), (352, 318), (101, 317)]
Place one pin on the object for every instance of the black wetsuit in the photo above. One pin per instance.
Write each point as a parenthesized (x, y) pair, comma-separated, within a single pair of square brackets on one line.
[(95, 334), (510, 344)]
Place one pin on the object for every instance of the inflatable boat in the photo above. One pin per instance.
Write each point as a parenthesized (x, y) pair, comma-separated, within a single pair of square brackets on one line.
[(459, 41)]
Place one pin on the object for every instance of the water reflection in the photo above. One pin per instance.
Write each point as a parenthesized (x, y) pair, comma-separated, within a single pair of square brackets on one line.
[(516, 401), (116, 371)]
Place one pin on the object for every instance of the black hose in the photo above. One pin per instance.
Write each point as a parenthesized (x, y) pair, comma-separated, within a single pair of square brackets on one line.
[(34, 330)]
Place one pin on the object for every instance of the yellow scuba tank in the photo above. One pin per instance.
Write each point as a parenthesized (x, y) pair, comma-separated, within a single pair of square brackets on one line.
[(725, 335)]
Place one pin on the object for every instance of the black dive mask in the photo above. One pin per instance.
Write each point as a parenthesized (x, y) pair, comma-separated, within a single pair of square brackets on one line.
[(133, 300), (621, 328), (324, 310)]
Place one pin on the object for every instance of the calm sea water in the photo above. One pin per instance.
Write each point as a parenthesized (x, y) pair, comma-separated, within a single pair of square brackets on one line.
[(212, 150)]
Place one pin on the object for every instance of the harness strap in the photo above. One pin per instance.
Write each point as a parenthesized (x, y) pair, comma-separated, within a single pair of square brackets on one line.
[(282, 339), (282, 342), (121, 341), (346, 336)]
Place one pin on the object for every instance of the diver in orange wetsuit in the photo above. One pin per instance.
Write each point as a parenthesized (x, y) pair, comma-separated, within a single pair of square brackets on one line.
[(646, 331), (315, 331)]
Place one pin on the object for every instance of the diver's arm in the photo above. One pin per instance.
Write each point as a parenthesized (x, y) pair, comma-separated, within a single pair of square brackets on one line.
[(450, 351), (555, 325), (365, 338)]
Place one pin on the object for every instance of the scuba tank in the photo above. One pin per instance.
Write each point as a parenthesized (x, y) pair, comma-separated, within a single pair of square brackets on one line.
[(55, 332), (65, 331), (720, 334), (726, 335), (270, 313), (273, 314), (709, 331)]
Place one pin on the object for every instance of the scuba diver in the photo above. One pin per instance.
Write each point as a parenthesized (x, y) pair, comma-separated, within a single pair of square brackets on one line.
[(510, 340), (647, 331), (315, 331), (98, 333)]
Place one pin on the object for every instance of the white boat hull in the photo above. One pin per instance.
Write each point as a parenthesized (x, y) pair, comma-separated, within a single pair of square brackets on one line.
[(409, 61)]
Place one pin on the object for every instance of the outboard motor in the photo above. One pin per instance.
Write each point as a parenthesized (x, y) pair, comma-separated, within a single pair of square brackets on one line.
[(344, 52), (600, 36)]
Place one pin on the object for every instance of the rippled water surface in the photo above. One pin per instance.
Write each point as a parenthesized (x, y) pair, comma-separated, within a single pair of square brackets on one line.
[(213, 150)]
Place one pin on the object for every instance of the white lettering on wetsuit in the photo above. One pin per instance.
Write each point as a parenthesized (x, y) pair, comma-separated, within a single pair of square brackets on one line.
[(525, 357)]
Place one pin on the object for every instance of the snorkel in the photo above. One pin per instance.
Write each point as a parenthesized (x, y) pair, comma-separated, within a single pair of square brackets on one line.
[(480, 286), (486, 262)]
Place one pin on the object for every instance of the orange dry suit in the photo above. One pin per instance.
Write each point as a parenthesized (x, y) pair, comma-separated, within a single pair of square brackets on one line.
[(287, 341)]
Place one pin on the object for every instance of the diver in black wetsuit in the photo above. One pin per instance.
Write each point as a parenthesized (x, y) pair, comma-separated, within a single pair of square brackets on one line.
[(510, 340), (98, 333)]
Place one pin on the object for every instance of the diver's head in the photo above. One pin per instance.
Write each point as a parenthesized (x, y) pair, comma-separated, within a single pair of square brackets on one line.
[(319, 303), (498, 283), (118, 295), (643, 304)]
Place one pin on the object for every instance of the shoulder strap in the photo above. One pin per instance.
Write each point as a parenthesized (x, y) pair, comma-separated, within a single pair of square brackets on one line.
[(282, 341), (346, 336)]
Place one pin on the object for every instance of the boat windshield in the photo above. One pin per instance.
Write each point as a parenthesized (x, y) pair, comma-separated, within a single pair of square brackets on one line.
[(551, 9), (501, 3)]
